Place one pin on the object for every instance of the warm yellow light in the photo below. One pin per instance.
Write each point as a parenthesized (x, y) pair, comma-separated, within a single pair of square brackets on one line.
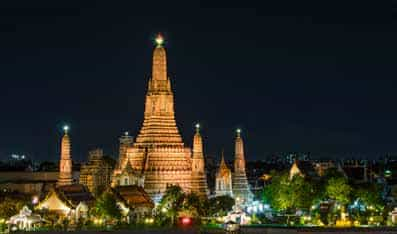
[(159, 40)]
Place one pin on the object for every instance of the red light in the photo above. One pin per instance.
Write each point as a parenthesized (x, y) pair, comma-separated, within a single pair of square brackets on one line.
[(186, 221)]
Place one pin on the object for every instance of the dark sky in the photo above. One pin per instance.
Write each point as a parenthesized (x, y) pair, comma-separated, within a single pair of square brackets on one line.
[(308, 76)]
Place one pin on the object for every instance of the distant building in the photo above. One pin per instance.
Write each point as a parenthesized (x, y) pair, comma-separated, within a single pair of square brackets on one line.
[(96, 173), (355, 170), (302, 168), (322, 166), (30, 183)]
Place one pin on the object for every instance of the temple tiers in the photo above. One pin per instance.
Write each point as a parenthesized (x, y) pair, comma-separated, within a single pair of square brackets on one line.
[(199, 178), (65, 164), (241, 190), (158, 152)]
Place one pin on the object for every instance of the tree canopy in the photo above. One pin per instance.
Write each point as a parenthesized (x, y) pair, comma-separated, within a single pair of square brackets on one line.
[(284, 193), (106, 207), (338, 189)]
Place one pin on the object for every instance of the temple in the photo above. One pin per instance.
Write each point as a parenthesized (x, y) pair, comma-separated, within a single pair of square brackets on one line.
[(158, 153), (158, 158), (241, 190), (65, 164), (199, 178), (68, 198)]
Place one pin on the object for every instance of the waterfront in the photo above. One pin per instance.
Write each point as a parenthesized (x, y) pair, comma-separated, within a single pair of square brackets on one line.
[(244, 230)]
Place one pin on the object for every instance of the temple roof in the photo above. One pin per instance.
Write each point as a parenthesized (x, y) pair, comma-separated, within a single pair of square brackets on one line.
[(133, 195), (75, 193), (70, 195), (223, 168)]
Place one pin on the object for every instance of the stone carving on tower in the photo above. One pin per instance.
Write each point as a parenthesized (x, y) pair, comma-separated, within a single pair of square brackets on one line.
[(65, 164), (241, 190), (158, 152), (199, 178), (223, 181)]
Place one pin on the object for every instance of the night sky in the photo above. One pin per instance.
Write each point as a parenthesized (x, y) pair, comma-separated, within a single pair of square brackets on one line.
[(306, 77)]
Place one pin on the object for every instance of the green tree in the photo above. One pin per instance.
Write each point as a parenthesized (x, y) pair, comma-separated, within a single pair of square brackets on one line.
[(193, 206), (284, 193), (171, 204), (106, 207), (10, 206), (369, 195), (338, 189), (219, 206)]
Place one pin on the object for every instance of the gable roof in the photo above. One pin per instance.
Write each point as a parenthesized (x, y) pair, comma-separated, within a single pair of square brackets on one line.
[(69, 195), (133, 196)]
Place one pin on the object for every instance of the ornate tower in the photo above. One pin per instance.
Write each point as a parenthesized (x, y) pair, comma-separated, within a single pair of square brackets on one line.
[(158, 152), (65, 164), (241, 188), (125, 141), (199, 178), (223, 181)]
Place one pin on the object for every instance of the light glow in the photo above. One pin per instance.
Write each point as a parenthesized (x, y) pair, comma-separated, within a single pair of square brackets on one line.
[(66, 128), (159, 40), (186, 220)]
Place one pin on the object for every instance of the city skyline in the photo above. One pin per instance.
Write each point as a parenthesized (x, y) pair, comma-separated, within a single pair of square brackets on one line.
[(291, 83)]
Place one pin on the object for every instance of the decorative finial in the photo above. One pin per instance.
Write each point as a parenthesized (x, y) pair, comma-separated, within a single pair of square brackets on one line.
[(197, 127), (66, 129), (159, 40), (126, 133), (238, 132)]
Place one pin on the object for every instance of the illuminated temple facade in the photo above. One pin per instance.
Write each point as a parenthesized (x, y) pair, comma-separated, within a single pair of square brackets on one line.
[(158, 158), (157, 155)]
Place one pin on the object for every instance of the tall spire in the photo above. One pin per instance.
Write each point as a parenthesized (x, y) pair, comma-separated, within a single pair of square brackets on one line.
[(241, 188), (197, 144), (159, 68), (159, 126), (65, 164), (223, 165), (199, 178), (239, 146)]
